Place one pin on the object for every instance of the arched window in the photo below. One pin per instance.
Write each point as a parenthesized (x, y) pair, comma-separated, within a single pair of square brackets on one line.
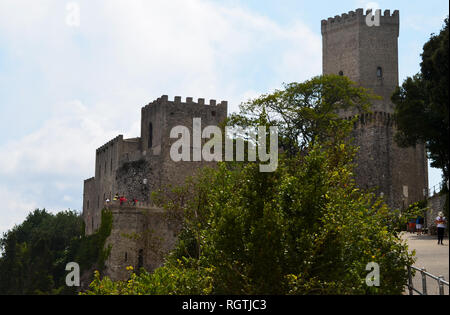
[(379, 72), (150, 135), (341, 73)]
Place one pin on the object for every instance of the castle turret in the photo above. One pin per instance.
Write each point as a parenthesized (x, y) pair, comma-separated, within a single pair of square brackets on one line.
[(364, 47), (136, 167)]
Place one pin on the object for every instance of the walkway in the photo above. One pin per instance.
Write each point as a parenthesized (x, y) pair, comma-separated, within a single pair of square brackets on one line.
[(432, 257)]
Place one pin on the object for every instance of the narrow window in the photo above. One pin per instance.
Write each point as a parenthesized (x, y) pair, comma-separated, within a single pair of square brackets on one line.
[(140, 259), (126, 256), (341, 73), (379, 72), (150, 135)]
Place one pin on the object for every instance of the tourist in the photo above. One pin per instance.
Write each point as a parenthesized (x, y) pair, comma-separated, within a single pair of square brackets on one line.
[(116, 197), (419, 225), (122, 200), (411, 225), (441, 225)]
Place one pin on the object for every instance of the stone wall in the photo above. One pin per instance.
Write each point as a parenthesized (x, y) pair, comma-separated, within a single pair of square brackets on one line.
[(141, 236), (351, 46), (398, 174), (353, 49), (135, 168)]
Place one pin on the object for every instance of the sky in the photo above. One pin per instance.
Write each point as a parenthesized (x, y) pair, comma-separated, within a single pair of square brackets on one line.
[(75, 74)]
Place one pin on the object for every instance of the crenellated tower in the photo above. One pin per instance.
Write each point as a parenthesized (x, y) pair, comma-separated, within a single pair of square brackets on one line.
[(136, 167), (368, 55)]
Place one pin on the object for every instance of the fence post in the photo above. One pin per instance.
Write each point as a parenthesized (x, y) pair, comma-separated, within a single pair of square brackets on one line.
[(410, 281), (424, 281), (441, 285)]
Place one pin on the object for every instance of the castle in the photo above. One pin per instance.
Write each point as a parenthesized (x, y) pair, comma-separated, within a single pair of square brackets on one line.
[(135, 167)]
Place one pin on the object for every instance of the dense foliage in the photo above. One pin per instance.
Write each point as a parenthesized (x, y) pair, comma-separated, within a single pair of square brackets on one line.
[(300, 230), (422, 103), (303, 111), (303, 229), (35, 253)]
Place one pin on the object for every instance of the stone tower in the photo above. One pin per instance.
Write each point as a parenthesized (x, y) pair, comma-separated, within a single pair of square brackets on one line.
[(368, 55), (136, 167), (141, 235)]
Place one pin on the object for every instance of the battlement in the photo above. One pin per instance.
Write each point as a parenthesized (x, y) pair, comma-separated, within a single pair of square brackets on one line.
[(129, 205), (89, 180), (358, 16), (188, 102), (375, 118), (109, 143)]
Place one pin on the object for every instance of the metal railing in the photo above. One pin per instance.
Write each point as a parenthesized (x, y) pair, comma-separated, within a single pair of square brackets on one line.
[(424, 274)]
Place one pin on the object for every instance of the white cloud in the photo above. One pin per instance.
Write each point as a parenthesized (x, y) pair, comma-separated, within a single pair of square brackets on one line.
[(14, 210), (124, 54), (65, 143), (366, 5)]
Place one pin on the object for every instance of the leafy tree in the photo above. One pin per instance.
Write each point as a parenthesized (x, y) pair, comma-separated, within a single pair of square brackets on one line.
[(422, 103), (303, 111), (299, 230), (35, 253)]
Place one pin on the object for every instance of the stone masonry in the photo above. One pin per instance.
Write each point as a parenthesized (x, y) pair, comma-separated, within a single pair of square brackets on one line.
[(368, 55), (135, 168)]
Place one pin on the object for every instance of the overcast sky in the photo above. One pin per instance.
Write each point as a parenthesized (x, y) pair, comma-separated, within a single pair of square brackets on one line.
[(67, 88)]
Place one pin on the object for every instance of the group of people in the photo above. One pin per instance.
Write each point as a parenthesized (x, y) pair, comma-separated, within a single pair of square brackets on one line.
[(122, 200), (440, 221)]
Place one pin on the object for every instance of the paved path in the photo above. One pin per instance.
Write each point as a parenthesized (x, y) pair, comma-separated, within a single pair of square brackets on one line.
[(432, 257)]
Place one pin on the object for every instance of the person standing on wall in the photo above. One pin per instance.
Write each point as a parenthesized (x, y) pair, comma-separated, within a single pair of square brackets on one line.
[(441, 225)]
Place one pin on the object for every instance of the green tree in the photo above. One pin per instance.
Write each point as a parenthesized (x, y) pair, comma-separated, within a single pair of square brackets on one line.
[(303, 111), (422, 103), (303, 229), (34, 253)]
